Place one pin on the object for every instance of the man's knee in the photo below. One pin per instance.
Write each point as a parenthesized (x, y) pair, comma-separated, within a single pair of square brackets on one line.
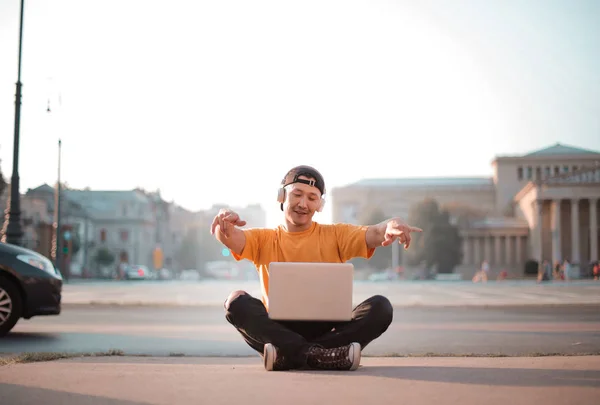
[(232, 297), (382, 308)]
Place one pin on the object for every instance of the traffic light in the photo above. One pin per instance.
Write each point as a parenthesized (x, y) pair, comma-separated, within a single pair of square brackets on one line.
[(66, 242)]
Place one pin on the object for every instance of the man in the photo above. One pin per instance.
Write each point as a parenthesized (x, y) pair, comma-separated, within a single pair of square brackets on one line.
[(316, 345)]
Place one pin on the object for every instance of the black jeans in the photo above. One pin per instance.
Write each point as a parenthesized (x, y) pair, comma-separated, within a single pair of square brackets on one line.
[(248, 315)]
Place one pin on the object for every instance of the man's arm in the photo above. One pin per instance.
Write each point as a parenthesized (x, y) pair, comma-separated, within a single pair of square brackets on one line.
[(384, 233), (224, 227), (376, 235), (236, 241)]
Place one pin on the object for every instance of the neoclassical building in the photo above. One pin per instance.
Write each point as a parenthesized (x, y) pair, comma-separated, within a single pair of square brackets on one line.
[(542, 206)]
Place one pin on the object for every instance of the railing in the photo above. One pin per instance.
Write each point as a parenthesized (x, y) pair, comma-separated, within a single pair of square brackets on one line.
[(583, 176)]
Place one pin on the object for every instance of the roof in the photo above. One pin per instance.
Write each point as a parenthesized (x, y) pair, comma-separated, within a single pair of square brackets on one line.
[(44, 188), (99, 201), (561, 149), (500, 222), (46, 193), (416, 182)]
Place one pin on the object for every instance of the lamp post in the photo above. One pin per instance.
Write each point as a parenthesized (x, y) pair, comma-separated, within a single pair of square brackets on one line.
[(57, 214), (14, 231)]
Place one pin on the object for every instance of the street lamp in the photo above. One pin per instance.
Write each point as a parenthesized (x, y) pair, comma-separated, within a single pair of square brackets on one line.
[(58, 237), (14, 231)]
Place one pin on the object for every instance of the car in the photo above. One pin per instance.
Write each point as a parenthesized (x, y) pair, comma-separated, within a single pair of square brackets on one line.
[(30, 286), (138, 272)]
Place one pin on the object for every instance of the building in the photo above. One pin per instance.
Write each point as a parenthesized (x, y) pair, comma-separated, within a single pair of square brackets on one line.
[(541, 206), (123, 223), (74, 219), (135, 226)]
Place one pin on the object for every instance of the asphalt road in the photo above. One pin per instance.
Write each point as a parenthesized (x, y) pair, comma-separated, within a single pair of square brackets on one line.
[(203, 331)]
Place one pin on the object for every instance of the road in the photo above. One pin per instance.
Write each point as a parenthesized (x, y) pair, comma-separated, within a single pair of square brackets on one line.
[(401, 294), (203, 331)]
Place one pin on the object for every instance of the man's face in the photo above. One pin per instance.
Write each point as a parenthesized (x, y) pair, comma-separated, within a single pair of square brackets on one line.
[(301, 202)]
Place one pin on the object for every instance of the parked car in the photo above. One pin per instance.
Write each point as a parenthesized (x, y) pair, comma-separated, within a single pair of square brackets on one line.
[(30, 286), (138, 272)]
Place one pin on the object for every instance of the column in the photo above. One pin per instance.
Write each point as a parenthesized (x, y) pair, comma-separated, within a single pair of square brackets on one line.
[(593, 229), (539, 245), (477, 251), (466, 250), (497, 252), (487, 249), (508, 256), (518, 247), (556, 248), (575, 246)]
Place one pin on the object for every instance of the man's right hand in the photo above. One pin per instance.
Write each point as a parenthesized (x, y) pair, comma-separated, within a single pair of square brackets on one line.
[(226, 220)]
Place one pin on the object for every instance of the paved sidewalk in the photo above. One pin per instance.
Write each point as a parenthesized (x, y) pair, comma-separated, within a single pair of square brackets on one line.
[(415, 381), (214, 293)]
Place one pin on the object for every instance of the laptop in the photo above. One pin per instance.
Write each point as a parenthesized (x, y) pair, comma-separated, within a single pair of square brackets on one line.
[(310, 291)]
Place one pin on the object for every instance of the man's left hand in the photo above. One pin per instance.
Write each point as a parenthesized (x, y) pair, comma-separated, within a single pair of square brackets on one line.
[(395, 228)]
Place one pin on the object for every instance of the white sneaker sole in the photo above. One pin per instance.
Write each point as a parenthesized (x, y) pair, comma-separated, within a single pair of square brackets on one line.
[(355, 354), (269, 356)]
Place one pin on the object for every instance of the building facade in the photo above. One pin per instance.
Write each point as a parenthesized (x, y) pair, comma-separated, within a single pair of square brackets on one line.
[(133, 225), (540, 206)]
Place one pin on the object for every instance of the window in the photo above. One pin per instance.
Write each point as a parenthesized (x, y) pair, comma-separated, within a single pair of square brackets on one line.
[(575, 168), (547, 172), (538, 173), (520, 173), (103, 235), (556, 170), (124, 234), (565, 169), (529, 172)]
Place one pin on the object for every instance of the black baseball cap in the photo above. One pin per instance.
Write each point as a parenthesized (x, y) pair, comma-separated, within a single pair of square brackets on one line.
[(293, 177)]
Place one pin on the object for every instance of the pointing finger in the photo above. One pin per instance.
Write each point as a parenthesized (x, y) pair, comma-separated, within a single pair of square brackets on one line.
[(214, 224), (223, 225)]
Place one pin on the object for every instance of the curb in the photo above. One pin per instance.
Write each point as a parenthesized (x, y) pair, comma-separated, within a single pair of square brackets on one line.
[(219, 305)]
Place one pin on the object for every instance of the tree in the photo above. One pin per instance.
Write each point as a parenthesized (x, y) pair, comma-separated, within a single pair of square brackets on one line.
[(104, 257), (209, 248), (75, 243), (187, 255), (199, 247), (382, 258), (465, 215), (439, 244)]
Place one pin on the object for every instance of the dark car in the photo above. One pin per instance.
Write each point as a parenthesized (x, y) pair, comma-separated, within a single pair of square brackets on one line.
[(30, 285)]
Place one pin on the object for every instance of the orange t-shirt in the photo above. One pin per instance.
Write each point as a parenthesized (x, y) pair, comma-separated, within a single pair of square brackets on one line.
[(335, 243)]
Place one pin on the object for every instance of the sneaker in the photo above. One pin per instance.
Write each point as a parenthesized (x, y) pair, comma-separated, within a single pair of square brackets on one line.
[(273, 361), (338, 358)]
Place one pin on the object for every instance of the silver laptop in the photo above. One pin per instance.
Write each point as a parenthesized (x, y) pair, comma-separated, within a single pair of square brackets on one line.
[(310, 291)]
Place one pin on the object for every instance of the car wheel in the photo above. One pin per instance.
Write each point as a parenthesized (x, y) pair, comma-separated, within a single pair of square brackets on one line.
[(11, 306)]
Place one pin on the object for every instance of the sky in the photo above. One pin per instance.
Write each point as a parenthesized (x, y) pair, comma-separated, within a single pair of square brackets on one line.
[(214, 101)]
